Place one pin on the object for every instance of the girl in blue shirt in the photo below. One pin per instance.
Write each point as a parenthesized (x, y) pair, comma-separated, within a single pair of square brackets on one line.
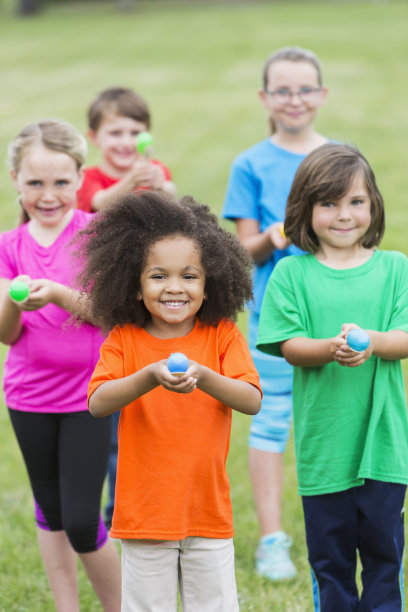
[(258, 187)]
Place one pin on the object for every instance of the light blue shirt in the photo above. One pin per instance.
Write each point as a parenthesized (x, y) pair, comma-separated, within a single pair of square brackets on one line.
[(258, 188)]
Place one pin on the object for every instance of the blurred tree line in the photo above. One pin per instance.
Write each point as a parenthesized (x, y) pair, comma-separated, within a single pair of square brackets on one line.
[(31, 7)]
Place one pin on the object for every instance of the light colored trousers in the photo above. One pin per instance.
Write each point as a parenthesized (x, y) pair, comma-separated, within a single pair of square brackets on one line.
[(203, 568)]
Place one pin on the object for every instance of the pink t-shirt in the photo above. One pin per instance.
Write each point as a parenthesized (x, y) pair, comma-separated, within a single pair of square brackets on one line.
[(50, 365)]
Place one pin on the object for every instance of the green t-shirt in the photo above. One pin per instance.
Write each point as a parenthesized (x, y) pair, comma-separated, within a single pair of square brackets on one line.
[(349, 423)]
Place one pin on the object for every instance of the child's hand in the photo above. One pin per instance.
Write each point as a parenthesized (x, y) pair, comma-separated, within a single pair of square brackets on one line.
[(345, 356), (179, 384), (42, 292), (159, 177), (142, 173), (276, 236)]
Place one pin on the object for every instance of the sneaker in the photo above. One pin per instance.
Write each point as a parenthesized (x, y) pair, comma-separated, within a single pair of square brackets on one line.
[(272, 557)]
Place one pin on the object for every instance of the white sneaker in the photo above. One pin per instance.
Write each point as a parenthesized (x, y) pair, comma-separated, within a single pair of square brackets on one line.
[(272, 557)]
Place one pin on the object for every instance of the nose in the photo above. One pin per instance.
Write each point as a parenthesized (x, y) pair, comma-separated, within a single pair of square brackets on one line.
[(48, 195), (295, 97), (173, 285), (344, 212), (128, 139)]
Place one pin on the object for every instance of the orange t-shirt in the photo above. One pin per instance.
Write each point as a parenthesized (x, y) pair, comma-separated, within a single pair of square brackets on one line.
[(171, 476)]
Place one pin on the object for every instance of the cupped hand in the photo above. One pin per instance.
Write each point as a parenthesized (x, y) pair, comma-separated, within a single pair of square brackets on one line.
[(276, 236)]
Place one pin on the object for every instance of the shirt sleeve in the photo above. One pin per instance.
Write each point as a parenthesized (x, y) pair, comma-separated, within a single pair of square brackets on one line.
[(242, 196), (110, 364), (281, 317), (8, 269), (235, 358), (399, 318), (86, 192), (166, 171)]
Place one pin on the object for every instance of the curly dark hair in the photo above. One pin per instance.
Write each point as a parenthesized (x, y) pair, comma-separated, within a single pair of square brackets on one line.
[(115, 245)]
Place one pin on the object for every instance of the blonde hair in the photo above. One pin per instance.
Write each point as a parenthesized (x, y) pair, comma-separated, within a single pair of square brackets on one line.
[(53, 134), (290, 54)]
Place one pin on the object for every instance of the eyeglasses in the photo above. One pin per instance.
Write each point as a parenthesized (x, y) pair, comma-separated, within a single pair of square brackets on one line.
[(284, 94)]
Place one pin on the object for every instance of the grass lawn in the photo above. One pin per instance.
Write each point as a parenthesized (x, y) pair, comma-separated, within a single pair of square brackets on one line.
[(198, 64)]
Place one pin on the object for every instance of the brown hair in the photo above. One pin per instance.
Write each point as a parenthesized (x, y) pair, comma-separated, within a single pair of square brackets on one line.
[(119, 101), (324, 175), (290, 54)]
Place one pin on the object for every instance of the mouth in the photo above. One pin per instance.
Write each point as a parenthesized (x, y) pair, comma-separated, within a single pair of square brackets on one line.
[(343, 230), (48, 210), (174, 304)]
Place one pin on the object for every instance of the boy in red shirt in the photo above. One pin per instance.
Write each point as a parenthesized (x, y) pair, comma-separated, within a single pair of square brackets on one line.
[(115, 118)]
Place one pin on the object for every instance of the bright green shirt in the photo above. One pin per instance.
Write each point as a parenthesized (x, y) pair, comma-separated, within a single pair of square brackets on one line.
[(349, 423)]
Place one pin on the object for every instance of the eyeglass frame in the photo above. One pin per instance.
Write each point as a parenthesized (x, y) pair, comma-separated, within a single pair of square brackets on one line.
[(290, 93)]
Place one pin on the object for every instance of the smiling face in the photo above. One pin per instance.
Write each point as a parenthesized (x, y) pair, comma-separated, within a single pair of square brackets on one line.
[(342, 223), (172, 286), (116, 138), (295, 113), (47, 182)]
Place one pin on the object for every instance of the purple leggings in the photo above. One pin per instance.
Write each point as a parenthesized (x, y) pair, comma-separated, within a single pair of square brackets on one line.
[(66, 457)]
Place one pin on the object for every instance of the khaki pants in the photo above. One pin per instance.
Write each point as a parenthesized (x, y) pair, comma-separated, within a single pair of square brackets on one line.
[(203, 568)]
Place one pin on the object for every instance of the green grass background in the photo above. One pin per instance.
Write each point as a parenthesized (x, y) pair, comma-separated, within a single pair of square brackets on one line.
[(198, 64)]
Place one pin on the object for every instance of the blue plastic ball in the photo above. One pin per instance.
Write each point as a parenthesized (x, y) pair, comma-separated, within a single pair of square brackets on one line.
[(358, 340), (177, 363)]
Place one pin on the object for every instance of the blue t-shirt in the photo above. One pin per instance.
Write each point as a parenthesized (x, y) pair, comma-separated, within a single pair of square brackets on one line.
[(259, 184)]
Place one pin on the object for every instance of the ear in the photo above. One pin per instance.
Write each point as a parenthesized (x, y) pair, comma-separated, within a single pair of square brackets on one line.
[(263, 97), (92, 137), (80, 177), (139, 296), (14, 178), (323, 95)]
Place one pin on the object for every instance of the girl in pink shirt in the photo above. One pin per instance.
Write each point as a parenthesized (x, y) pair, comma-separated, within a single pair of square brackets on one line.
[(50, 362)]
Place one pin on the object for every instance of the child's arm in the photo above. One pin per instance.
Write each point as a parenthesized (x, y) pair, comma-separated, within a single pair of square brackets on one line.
[(237, 394), (10, 315), (142, 174), (309, 352), (391, 345), (113, 395), (44, 291), (260, 244)]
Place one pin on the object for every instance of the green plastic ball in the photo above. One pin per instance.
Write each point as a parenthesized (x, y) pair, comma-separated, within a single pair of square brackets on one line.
[(144, 141), (18, 290)]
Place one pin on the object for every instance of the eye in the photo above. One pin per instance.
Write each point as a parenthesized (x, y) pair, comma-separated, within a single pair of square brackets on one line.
[(283, 91), (306, 90), (327, 204), (190, 276), (34, 183), (62, 182), (157, 276), (357, 202)]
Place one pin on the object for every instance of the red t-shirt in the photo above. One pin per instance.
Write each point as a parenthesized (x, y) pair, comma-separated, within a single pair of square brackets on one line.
[(171, 474), (96, 180)]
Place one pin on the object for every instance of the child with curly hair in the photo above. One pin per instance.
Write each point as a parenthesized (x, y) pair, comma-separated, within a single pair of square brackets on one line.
[(165, 277)]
